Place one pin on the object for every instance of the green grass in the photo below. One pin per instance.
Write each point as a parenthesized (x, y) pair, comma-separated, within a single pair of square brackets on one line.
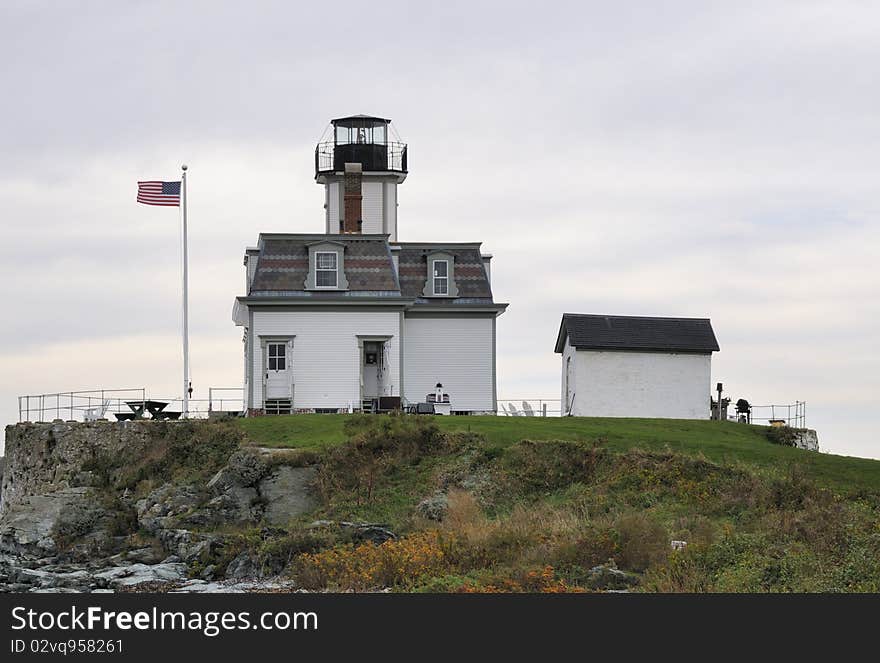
[(722, 442)]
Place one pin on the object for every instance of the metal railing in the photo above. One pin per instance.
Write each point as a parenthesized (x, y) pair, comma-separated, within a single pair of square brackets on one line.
[(92, 404), (77, 405), (529, 407), (332, 157), (227, 404), (791, 414)]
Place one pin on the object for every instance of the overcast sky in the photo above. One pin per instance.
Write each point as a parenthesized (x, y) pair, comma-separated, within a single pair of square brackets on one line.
[(709, 159)]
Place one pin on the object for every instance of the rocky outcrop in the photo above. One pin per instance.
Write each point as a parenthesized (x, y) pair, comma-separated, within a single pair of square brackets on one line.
[(253, 487), (375, 533), (30, 527), (45, 458), (806, 438), (70, 521), (49, 490), (286, 493), (434, 507), (607, 577)]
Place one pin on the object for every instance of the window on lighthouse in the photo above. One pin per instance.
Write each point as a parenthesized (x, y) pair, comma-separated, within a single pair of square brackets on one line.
[(441, 277), (326, 275)]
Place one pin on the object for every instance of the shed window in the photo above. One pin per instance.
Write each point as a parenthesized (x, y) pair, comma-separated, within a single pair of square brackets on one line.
[(277, 360), (441, 277), (326, 274)]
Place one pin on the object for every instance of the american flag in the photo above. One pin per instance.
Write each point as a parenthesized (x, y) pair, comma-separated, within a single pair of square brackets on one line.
[(166, 194)]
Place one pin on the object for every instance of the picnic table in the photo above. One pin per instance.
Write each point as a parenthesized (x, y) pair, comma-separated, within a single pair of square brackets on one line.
[(156, 409)]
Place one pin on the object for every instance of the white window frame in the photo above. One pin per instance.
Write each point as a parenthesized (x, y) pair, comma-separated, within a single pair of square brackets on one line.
[(435, 278), (275, 357), (319, 269)]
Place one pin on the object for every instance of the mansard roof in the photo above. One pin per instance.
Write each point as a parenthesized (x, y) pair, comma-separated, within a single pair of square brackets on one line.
[(470, 274), (282, 266)]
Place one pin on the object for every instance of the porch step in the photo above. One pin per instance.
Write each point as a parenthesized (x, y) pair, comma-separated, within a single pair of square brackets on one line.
[(367, 406), (278, 406)]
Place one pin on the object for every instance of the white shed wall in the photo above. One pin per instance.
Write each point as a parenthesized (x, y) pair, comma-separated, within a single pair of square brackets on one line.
[(642, 384), (569, 381), (457, 352), (326, 356)]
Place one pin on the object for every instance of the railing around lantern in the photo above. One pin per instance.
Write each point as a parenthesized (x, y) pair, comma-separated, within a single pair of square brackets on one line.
[(332, 157)]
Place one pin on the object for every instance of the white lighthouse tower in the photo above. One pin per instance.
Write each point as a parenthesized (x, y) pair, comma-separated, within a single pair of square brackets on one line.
[(360, 169)]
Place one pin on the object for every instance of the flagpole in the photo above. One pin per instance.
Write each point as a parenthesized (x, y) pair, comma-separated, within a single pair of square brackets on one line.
[(186, 381)]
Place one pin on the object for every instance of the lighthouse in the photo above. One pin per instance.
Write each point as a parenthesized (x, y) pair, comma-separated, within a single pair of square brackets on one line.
[(352, 319), (360, 168)]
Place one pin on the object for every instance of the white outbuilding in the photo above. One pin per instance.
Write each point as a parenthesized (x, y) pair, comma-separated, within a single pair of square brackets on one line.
[(629, 366)]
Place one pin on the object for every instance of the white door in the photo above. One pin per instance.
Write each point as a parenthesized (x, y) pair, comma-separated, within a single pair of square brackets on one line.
[(278, 370), (371, 361)]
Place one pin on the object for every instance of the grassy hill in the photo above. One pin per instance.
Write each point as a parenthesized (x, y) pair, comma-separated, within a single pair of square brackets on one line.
[(721, 442), (532, 504)]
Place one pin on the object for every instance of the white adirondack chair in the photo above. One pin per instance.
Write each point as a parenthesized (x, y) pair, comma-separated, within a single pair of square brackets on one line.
[(527, 409), (95, 413), (513, 411)]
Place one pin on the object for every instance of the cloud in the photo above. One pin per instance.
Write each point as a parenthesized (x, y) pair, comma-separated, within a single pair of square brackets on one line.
[(687, 158)]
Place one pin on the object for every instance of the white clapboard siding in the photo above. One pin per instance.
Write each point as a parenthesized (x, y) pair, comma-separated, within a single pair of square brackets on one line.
[(391, 210), (371, 208), (642, 384), (456, 352), (326, 357), (333, 214)]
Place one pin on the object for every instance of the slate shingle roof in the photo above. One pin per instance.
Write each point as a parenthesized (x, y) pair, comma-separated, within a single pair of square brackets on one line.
[(618, 332), (283, 264), (468, 271)]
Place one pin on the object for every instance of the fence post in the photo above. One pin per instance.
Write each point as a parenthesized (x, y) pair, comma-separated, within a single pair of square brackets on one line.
[(544, 409)]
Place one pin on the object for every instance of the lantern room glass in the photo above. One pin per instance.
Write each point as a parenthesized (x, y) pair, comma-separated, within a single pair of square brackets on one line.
[(361, 132)]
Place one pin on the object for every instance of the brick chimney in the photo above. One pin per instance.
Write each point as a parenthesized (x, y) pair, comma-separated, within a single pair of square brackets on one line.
[(352, 216)]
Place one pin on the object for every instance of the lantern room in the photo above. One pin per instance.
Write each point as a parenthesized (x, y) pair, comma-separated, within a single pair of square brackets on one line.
[(360, 139), (360, 160)]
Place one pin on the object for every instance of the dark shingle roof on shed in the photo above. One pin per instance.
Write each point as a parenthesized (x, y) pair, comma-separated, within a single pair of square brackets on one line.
[(619, 332)]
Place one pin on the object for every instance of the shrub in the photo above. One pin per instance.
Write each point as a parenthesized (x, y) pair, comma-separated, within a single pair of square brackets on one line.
[(182, 451), (542, 580), (784, 435), (368, 566), (596, 544), (542, 467), (643, 541), (377, 446)]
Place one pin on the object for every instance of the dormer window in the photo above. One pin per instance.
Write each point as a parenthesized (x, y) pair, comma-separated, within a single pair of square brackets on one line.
[(441, 277), (326, 266), (326, 270)]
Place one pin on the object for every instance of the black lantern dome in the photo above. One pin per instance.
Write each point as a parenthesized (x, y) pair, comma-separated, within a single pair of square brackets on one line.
[(362, 139)]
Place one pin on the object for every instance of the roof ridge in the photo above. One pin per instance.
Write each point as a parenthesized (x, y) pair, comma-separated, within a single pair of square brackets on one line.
[(629, 317)]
